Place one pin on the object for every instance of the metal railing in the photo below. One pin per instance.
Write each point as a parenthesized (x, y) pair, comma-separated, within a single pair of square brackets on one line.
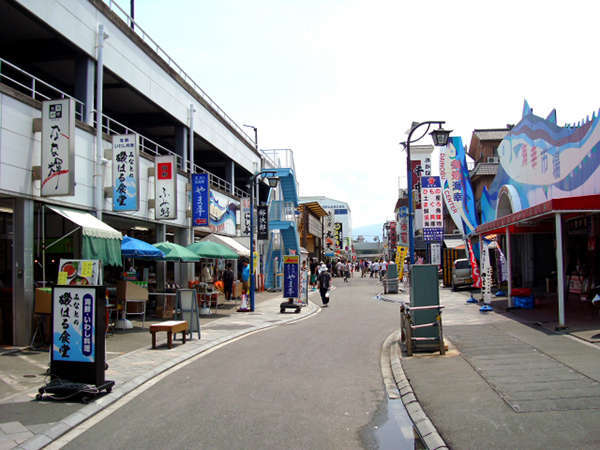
[(280, 210), (34, 87), (38, 89)]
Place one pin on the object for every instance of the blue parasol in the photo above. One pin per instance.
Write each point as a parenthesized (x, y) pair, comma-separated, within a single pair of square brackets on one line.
[(134, 248)]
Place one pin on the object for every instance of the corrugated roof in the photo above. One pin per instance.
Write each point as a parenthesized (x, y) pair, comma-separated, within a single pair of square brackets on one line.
[(491, 135), (314, 207), (482, 169)]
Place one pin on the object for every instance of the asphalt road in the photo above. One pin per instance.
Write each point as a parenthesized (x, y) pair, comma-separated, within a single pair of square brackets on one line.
[(311, 384)]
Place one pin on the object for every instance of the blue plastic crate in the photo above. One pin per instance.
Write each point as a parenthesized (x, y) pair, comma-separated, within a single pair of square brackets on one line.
[(524, 302)]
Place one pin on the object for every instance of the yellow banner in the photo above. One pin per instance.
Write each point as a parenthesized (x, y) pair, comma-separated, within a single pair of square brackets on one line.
[(401, 253)]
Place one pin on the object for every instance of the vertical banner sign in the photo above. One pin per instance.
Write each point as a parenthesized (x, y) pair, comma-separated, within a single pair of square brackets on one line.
[(338, 236), (58, 147), (291, 276), (262, 229), (245, 216), (328, 237), (433, 219), (435, 249), (486, 273), (200, 199), (402, 252), (403, 226), (474, 268), (417, 171), (73, 324), (125, 171), (165, 187)]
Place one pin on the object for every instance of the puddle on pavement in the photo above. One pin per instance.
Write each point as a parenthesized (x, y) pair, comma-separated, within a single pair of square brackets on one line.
[(393, 429)]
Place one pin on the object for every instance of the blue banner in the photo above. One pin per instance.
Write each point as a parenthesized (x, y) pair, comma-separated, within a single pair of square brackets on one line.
[(468, 199), (73, 324), (200, 199), (291, 285)]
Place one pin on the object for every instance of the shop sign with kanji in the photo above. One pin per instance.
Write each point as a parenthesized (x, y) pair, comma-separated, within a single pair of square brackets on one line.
[(339, 236), (73, 324), (245, 213), (200, 199), (58, 148), (125, 173), (165, 187), (431, 200), (291, 276), (262, 213)]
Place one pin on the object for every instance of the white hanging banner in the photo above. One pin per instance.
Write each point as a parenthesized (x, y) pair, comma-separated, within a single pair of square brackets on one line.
[(125, 170), (165, 187), (58, 147), (245, 216)]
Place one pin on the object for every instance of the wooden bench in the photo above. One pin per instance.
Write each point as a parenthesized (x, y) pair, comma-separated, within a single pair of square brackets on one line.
[(171, 327)]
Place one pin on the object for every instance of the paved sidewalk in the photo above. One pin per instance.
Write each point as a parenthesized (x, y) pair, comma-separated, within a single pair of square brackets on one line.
[(130, 371), (504, 384)]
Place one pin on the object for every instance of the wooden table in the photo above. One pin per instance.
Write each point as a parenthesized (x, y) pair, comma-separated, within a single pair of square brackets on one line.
[(171, 327)]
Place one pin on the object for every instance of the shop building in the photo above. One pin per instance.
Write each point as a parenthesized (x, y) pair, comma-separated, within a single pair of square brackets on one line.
[(310, 228), (543, 208), (61, 55)]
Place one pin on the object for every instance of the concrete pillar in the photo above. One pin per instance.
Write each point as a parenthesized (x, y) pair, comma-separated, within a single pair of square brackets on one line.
[(560, 284), (23, 297), (230, 175), (184, 272), (181, 142), (161, 266), (85, 69)]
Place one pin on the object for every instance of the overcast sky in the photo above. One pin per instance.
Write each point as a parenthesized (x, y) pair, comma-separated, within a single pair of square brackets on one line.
[(339, 82)]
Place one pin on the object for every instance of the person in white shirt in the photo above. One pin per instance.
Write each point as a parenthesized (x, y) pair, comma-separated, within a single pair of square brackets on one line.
[(382, 269), (374, 269)]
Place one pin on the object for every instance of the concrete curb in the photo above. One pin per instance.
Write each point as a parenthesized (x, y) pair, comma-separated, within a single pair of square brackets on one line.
[(62, 427), (427, 431)]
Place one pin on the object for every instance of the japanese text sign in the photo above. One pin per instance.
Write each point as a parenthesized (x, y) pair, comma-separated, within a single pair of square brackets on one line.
[(328, 238), (433, 215), (339, 236), (73, 324), (245, 216), (125, 173), (262, 213), (200, 199), (58, 147), (291, 276), (165, 187)]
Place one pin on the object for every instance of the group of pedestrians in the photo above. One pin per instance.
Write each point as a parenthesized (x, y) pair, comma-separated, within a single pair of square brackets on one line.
[(375, 269)]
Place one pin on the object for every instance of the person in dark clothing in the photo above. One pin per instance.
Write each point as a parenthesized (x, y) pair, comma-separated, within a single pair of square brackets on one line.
[(228, 281), (324, 282)]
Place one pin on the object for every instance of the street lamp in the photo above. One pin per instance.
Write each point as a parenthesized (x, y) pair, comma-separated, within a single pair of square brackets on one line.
[(440, 138), (273, 179)]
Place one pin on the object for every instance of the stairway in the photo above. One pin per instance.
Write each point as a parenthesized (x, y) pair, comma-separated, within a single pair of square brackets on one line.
[(282, 217)]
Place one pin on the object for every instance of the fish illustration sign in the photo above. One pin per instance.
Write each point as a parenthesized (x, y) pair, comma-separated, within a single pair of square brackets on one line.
[(540, 161)]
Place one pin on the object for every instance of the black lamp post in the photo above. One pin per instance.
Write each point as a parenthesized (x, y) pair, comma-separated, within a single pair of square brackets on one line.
[(440, 138), (273, 179)]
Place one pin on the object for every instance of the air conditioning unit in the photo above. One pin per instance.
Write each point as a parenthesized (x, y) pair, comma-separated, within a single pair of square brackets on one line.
[(492, 159)]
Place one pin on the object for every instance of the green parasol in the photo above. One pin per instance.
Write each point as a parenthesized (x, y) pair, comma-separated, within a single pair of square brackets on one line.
[(209, 249), (175, 252)]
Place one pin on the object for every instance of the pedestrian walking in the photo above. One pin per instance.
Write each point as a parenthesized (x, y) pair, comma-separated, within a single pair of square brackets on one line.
[(324, 285)]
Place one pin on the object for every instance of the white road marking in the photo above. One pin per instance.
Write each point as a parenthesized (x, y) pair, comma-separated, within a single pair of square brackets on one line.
[(89, 423)]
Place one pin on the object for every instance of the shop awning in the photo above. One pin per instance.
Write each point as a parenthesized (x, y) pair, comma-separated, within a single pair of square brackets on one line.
[(99, 240), (542, 211), (234, 245), (458, 244)]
